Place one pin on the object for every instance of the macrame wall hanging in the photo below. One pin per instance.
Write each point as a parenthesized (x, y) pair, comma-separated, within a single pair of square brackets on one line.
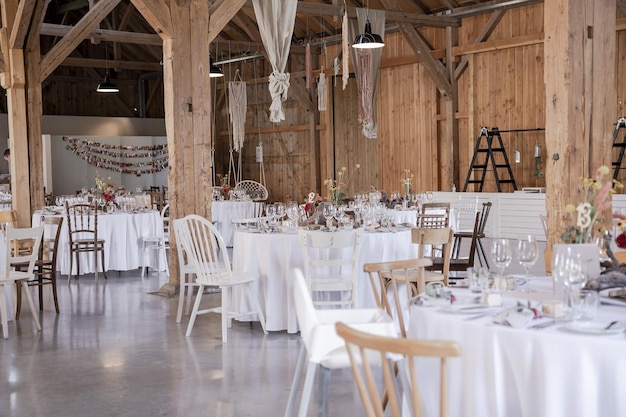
[(321, 84), (237, 106), (345, 49), (276, 20), (125, 159)]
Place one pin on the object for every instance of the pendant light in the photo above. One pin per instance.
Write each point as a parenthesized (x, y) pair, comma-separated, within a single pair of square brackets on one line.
[(367, 39), (107, 86), (215, 71)]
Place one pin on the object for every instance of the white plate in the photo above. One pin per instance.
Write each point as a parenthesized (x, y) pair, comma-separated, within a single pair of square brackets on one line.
[(465, 308), (604, 297), (594, 327)]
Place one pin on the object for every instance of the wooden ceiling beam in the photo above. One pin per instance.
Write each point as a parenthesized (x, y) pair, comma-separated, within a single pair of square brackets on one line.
[(320, 9), (65, 46), (484, 34), (221, 14), (488, 7), (103, 63), (157, 14), (50, 29), (21, 23), (621, 6)]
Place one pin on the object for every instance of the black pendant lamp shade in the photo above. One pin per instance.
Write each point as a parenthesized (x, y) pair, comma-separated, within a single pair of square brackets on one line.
[(368, 40), (215, 71), (107, 86)]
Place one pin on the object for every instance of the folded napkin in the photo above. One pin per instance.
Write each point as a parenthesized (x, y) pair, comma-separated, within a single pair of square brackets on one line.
[(520, 316)]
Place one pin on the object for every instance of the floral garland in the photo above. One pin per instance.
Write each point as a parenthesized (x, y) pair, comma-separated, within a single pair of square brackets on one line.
[(105, 156)]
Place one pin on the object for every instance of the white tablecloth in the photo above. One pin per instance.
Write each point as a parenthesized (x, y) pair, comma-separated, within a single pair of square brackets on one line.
[(122, 233), (402, 216), (224, 212), (508, 372), (274, 257)]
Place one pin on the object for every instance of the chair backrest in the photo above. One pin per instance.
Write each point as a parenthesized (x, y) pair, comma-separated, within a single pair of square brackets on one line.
[(331, 258), (385, 275), (165, 220), (28, 239), (434, 215), (465, 212), (472, 251), (166, 194), (205, 249), (7, 217), (424, 236), (255, 190), (156, 200), (51, 231), (305, 310), (362, 346), (544, 224), (82, 221), (484, 216)]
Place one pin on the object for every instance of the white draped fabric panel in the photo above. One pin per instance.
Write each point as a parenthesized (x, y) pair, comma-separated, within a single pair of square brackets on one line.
[(237, 106), (276, 19), (366, 64)]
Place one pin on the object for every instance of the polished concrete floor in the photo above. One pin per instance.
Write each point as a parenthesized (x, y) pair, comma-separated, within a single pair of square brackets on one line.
[(115, 350)]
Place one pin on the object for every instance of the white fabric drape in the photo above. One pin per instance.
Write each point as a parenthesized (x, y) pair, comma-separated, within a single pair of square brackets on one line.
[(276, 19), (321, 92), (237, 106), (346, 41), (366, 64)]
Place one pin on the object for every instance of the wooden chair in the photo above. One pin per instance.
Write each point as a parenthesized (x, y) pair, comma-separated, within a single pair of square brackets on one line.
[(369, 355), (46, 266), (462, 263), (424, 236), (385, 275), (10, 276), (482, 224), (434, 215), (330, 265), (82, 227), (7, 217), (156, 200)]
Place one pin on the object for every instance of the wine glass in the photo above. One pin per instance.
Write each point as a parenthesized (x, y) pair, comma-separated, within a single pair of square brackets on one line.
[(501, 254), (292, 212), (280, 210), (329, 212), (270, 211), (527, 253)]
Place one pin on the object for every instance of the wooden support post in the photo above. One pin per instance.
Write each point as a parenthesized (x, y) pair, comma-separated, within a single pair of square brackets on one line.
[(579, 73)]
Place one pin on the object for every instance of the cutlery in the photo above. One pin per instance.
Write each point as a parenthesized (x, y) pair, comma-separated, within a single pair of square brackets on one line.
[(611, 324), (543, 325)]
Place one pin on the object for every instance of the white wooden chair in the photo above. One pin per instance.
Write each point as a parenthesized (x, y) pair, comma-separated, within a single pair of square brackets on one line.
[(330, 265), (160, 244), (26, 255), (255, 190), (206, 251), (321, 348)]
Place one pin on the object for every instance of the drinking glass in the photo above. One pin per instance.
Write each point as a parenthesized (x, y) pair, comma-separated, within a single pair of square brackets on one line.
[(501, 254), (527, 253), (270, 211), (280, 210), (329, 213), (292, 213)]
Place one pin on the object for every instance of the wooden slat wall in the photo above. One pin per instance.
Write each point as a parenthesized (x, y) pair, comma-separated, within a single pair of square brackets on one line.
[(501, 87)]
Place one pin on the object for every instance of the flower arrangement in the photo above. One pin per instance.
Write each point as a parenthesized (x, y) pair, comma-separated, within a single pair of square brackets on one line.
[(105, 187), (587, 215), (407, 182), (311, 202), (224, 183), (337, 186)]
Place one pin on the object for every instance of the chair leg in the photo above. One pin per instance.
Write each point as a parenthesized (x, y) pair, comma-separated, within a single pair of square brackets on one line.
[(53, 280), (31, 304), (254, 302), (194, 312), (95, 264), (3, 313), (40, 290), (182, 288), (104, 272), (225, 312), (143, 253), (322, 400), (291, 402), (18, 300), (307, 389), (482, 250)]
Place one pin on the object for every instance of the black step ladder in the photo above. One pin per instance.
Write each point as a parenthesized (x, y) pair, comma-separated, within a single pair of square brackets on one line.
[(479, 170), (617, 165)]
